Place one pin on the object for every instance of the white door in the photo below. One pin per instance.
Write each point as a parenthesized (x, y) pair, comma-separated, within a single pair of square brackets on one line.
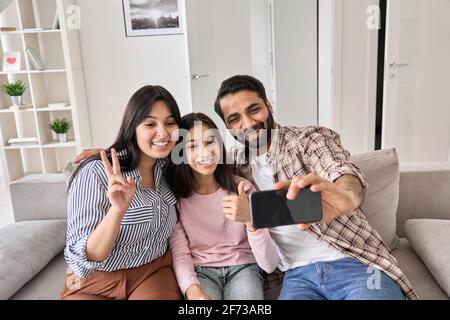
[(274, 40), (219, 46), (416, 112), (295, 61), (199, 26)]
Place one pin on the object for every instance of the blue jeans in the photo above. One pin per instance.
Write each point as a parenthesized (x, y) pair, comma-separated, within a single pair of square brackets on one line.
[(242, 282), (344, 279)]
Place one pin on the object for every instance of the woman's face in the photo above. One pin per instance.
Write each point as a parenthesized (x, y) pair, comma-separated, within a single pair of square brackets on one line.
[(202, 150), (158, 133)]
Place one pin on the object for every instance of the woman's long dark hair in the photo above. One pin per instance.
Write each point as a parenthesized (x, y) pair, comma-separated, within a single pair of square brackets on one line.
[(181, 177), (136, 112)]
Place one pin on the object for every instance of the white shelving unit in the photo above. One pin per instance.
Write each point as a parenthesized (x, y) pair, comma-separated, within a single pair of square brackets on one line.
[(61, 81)]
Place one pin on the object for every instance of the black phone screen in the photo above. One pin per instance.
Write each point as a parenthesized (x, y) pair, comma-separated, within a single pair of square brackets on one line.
[(272, 209)]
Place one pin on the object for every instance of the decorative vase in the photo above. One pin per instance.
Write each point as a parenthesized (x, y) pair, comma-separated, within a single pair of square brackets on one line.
[(16, 100), (62, 137)]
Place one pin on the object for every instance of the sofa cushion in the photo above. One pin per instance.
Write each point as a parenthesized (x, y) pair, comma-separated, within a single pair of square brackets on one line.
[(25, 249), (381, 169), (427, 199), (47, 284), (430, 239), (417, 273)]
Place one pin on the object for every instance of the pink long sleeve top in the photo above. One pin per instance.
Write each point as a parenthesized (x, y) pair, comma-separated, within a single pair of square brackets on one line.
[(203, 236)]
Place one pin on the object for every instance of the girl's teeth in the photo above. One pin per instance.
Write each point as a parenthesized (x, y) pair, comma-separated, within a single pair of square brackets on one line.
[(205, 162)]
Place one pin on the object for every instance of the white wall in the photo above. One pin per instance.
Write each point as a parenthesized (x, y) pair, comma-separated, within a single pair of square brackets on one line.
[(119, 65), (217, 47), (232, 38), (260, 44), (296, 62), (355, 77), (116, 66), (326, 63)]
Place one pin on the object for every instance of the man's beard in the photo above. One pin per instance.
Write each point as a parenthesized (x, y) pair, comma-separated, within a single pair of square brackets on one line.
[(262, 141)]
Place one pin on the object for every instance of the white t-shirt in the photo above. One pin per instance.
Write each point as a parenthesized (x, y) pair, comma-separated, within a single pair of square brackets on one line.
[(296, 248)]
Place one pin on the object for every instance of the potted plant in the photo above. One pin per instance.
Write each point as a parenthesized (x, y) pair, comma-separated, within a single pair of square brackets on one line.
[(61, 127), (15, 90)]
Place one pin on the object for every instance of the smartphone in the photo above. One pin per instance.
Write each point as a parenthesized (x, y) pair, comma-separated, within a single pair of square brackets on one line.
[(272, 209)]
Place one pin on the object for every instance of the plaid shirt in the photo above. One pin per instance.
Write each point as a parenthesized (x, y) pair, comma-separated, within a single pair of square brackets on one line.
[(301, 151)]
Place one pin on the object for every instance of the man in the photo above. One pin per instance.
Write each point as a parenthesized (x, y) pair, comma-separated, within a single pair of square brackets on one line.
[(332, 259)]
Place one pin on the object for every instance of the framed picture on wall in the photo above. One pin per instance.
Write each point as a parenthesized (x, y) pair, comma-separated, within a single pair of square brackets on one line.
[(153, 17)]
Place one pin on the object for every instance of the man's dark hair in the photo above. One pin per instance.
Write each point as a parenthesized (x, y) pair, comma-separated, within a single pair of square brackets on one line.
[(236, 84)]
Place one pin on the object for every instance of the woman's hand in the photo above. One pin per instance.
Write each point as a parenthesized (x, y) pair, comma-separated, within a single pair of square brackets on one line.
[(120, 190), (195, 292), (86, 154)]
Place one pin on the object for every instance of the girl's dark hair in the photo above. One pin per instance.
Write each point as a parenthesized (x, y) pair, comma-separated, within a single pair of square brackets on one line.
[(181, 178), (136, 112)]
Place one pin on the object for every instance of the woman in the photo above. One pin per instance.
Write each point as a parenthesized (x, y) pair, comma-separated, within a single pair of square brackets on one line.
[(212, 256), (120, 217)]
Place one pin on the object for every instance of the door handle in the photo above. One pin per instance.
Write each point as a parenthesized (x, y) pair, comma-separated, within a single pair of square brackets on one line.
[(397, 65), (199, 76)]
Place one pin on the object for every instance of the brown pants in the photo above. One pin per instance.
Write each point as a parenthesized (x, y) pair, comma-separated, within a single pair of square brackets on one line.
[(153, 281)]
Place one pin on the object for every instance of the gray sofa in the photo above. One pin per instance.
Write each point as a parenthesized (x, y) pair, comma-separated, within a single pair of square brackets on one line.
[(409, 206)]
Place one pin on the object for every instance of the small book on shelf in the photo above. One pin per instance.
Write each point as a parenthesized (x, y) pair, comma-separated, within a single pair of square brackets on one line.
[(7, 29), (23, 141), (21, 107), (35, 59), (58, 105), (33, 29)]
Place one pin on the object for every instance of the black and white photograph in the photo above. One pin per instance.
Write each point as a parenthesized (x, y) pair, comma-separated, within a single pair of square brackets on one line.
[(153, 17)]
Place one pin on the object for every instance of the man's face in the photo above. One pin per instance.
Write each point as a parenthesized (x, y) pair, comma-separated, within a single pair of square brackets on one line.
[(247, 115)]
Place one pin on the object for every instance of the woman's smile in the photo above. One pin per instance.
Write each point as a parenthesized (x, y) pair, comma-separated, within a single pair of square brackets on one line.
[(161, 145)]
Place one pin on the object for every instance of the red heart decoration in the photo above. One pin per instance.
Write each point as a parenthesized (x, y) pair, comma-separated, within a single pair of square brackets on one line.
[(11, 60)]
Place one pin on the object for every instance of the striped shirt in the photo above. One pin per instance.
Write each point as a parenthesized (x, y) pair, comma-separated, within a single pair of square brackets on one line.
[(145, 228)]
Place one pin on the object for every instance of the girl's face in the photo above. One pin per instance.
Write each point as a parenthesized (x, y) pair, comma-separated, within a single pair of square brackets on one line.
[(158, 133), (202, 150)]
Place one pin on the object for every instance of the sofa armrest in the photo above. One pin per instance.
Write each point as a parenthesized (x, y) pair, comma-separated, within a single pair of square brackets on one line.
[(424, 193), (39, 197)]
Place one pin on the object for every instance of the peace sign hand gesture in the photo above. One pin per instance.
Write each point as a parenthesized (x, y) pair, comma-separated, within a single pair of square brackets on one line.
[(120, 190)]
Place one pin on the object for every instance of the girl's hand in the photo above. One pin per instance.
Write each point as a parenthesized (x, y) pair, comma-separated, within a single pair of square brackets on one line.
[(195, 292), (121, 191), (237, 208)]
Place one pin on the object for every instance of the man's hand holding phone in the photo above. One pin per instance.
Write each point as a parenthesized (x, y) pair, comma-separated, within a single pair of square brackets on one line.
[(338, 198)]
